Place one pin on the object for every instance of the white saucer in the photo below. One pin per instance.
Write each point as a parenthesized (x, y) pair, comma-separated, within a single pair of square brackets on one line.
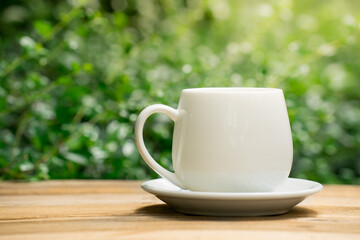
[(292, 192)]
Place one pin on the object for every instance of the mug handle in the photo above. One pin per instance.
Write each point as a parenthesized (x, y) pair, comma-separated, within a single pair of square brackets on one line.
[(139, 126)]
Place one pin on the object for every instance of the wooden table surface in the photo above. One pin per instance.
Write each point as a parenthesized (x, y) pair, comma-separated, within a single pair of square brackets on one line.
[(105, 209)]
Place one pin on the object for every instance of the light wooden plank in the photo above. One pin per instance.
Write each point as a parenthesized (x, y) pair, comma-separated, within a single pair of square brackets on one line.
[(101, 209)]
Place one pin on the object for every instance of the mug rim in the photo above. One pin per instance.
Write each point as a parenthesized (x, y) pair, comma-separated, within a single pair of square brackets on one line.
[(231, 90)]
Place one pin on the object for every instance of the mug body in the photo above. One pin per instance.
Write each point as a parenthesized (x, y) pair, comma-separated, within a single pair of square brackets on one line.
[(232, 139)]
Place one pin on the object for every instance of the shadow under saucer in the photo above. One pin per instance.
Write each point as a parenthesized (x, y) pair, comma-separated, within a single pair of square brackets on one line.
[(164, 211)]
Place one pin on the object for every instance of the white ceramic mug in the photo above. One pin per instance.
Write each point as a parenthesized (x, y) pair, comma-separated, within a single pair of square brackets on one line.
[(225, 139)]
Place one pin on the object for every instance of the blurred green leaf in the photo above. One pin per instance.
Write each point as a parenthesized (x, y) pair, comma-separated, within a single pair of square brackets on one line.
[(76, 158), (43, 27), (27, 42)]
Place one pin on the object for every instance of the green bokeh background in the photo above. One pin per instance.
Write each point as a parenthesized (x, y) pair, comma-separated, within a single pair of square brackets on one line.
[(74, 75)]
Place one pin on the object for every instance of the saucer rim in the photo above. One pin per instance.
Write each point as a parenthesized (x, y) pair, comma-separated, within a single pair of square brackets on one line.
[(315, 187)]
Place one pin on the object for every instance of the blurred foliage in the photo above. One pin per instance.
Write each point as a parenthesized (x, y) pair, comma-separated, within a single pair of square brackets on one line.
[(74, 75)]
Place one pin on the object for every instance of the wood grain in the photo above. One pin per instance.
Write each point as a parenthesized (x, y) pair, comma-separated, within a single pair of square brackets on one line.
[(87, 209)]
